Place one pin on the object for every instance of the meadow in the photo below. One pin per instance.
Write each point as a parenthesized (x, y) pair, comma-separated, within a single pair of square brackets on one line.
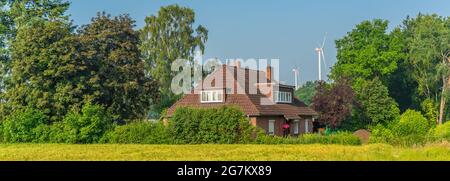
[(228, 152)]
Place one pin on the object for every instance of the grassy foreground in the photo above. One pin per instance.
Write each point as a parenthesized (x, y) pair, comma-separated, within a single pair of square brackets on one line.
[(221, 152)]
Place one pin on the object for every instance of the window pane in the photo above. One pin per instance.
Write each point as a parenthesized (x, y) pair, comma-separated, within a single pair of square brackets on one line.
[(203, 96)]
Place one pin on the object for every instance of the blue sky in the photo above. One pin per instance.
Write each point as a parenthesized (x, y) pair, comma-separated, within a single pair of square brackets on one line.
[(288, 30)]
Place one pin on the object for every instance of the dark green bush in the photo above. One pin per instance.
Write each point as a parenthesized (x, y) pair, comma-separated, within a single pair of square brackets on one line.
[(24, 125), (139, 133), (214, 125), (343, 138), (85, 126)]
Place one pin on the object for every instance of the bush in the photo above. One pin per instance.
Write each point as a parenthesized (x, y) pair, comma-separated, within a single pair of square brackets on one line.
[(85, 126), (25, 125), (381, 134), (139, 133), (343, 138), (412, 128), (440, 132), (412, 123), (214, 125)]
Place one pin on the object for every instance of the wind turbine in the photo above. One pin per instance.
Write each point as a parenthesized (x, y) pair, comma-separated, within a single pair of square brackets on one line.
[(296, 72), (321, 57)]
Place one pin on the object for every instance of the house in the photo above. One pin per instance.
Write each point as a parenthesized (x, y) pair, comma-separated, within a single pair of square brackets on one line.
[(267, 103)]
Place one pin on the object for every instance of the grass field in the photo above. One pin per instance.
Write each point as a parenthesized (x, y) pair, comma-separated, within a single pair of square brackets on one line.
[(221, 152)]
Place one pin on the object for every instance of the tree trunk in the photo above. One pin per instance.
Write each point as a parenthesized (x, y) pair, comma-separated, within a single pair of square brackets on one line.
[(446, 83)]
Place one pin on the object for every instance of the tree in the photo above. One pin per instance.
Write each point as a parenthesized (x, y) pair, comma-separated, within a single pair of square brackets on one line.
[(375, 104), (42, 69), (333, 103), (166, 37), (13, 15), (366, 52), (306, 92), (117, 76), (428, 38)]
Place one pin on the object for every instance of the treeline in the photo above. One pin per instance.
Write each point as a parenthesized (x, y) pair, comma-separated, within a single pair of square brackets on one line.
[(395, 83), (52, 66)]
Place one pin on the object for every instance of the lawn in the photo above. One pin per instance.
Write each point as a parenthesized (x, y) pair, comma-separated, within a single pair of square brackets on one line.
[(221, 152)]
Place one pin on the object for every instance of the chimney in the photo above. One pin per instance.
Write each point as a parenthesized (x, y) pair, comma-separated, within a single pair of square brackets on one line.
[(269, 73)]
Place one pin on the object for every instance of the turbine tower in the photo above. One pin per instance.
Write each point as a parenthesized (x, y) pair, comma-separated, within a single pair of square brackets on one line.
[(321, 57)]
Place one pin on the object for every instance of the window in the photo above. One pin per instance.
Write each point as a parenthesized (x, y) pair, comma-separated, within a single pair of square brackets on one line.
[(211, 96), (271, 127), (280, 96), (296, 127)]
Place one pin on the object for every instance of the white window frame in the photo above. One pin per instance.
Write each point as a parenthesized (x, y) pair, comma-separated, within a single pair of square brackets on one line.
[(282, 96), (271, 128), (211, 96), (296, 127)]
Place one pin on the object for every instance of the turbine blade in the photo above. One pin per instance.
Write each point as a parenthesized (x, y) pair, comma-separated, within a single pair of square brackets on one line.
[(324, 39)]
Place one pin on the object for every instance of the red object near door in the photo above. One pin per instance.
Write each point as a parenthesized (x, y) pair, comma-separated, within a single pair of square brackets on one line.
[(285, 126)]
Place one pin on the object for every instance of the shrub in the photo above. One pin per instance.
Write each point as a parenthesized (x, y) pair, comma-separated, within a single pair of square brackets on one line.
[(344, 138), (381, 134), (412, 128), (85, 126), (440, 132), (24, 125), (214, 125), (139, 133), (412, 123)]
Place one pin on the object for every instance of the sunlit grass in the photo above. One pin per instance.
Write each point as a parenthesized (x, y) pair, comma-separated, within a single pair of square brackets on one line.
[(221, 152)]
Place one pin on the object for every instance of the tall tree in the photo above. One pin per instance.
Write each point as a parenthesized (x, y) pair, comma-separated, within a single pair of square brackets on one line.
[(366, 52), (334, 103), (428, 44), (17, 13), (375, 104), (41, 68), (117, 76), (166, 37)]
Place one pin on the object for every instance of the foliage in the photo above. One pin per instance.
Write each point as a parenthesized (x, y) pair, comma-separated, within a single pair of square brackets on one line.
[(441, 132), (412, 123), (343, 138), (411, 128), (374, 102), (23, 125), (139, 132), (427, 38), (87, 125), (334, 103), (168, 36), (40, 64), (430, 110), (215, 125), (367, 52), (306, 92), (117, 77)]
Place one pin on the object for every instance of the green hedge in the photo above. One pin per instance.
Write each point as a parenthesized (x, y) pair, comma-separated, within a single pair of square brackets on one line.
[(30, 125), (214, 125), (139, 133), (23, 125), (343, 138)]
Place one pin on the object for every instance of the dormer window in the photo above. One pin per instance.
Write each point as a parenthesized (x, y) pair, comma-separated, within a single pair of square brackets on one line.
[(282, 97), (210, 96)]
